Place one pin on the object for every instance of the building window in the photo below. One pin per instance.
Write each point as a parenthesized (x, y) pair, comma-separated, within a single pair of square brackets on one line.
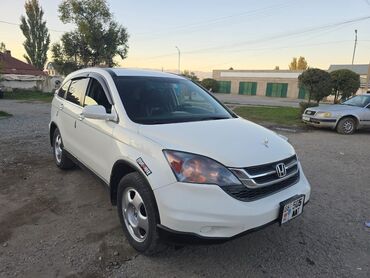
[(303, 93), (247, 88), (276, 89), (224, 87)]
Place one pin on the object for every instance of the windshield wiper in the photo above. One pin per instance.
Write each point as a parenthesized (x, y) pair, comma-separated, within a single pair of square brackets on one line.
[(212, 118)]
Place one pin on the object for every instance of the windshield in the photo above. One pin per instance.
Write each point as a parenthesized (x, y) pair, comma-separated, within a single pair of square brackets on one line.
[(158, 100), (359, 101)]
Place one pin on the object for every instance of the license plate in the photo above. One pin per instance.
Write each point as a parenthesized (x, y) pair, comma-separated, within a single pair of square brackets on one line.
[(291, 208), (306, 118)]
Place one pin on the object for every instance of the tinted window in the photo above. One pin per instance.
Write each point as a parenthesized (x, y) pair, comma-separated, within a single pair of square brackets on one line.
[(157, 100), (77, 90), (97, 96), (62, 91)]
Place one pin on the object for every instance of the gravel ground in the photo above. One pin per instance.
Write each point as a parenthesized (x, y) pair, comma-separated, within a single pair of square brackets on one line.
[(61, 224)]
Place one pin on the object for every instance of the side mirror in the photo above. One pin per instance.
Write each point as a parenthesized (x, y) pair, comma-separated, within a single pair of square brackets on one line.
[(98, 112)]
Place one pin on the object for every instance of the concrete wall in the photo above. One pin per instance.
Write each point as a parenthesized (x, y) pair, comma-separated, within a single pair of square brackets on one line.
[(262, 77), (44, 83)]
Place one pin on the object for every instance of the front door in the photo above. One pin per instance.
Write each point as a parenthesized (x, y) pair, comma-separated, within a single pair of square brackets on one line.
[(95, 136)]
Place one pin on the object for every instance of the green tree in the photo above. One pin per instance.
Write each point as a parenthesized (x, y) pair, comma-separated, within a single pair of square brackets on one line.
[(210, 84), (37, 35), (98, 38), (298, 64), (345, 83), (61, 62), (317, 82), (190, 75)]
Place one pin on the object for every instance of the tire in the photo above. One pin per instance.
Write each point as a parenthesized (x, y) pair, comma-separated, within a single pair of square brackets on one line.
[(138, 213), (346, 126), (60, 157)]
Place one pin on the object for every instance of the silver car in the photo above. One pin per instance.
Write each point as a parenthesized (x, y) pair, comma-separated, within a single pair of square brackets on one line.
[(346, 117)]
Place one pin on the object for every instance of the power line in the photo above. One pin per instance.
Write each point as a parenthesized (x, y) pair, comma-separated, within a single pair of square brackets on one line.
[(262, 40), (267, 50), (221, 19), (274, 37), (280, 36), (16, 24)]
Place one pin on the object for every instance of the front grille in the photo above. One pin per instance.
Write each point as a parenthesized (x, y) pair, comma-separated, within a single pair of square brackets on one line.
[(244, 193), (310, 112), (262, 180)]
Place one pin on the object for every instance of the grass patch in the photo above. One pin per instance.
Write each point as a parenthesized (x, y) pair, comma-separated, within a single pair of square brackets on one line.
[(286, 116), (4, 114), (18, 94)]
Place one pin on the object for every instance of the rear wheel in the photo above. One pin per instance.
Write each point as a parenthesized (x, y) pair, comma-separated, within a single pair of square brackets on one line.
[(60, 157), (346, 126), (138, 214)]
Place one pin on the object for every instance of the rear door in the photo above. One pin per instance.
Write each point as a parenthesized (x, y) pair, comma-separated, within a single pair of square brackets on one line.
[(58, 106), (70, 113)]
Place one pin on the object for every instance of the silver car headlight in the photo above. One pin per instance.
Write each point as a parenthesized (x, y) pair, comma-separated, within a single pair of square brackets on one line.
[(194, 168), (323, 114)]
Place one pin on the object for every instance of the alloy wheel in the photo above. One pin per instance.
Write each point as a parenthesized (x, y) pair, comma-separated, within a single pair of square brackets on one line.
[(348, 126), (135, 214)]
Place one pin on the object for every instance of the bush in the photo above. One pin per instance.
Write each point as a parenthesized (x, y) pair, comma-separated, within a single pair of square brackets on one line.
[(317, 82), (305, 105), (210, 83)]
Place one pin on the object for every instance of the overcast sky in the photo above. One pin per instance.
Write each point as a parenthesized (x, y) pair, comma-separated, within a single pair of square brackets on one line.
[(217, 34)]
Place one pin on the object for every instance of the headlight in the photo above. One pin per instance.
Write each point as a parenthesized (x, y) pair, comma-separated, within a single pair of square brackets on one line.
[(324, 114), (194, 168)]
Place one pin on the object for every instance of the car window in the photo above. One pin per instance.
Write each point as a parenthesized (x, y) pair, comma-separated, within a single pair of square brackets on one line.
[(62, 91), (77, 90), (160, 100), (96, 96), (359, 101)]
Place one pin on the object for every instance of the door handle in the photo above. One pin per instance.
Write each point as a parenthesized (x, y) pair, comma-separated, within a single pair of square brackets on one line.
[(61, 106)]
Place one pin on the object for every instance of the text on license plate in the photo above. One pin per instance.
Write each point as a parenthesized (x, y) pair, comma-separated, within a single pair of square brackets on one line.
[(291, 208)]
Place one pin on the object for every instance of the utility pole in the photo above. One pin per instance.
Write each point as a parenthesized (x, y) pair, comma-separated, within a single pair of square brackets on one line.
[(178, 63), (354, 48)]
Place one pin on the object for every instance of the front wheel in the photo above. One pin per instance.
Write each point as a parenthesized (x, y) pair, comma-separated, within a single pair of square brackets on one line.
[(346, 126), (138, 213)]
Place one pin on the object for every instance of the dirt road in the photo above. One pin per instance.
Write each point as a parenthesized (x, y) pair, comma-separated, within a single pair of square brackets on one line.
[(61, 224)]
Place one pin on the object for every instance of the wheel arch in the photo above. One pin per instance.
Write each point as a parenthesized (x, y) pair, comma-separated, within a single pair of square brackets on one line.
[(120, 169), (52, 128), (357, 120)]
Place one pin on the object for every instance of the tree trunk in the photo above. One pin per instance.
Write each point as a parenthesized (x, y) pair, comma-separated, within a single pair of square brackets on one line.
[(335, 97)]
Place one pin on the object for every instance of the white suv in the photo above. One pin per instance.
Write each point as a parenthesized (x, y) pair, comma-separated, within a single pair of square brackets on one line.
[(176, 160)]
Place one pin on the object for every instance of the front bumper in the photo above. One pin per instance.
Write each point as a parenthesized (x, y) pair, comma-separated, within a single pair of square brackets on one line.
[(207, 211), (319, 122)]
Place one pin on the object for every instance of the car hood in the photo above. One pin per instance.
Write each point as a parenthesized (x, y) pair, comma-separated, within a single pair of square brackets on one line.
[(233, 142), (333, 108)]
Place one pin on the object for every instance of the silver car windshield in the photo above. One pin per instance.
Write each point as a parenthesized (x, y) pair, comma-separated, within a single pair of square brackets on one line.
[(158, 100), (359, 101)]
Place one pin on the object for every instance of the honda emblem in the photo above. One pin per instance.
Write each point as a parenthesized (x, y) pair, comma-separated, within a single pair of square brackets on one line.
[(281, 170)]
